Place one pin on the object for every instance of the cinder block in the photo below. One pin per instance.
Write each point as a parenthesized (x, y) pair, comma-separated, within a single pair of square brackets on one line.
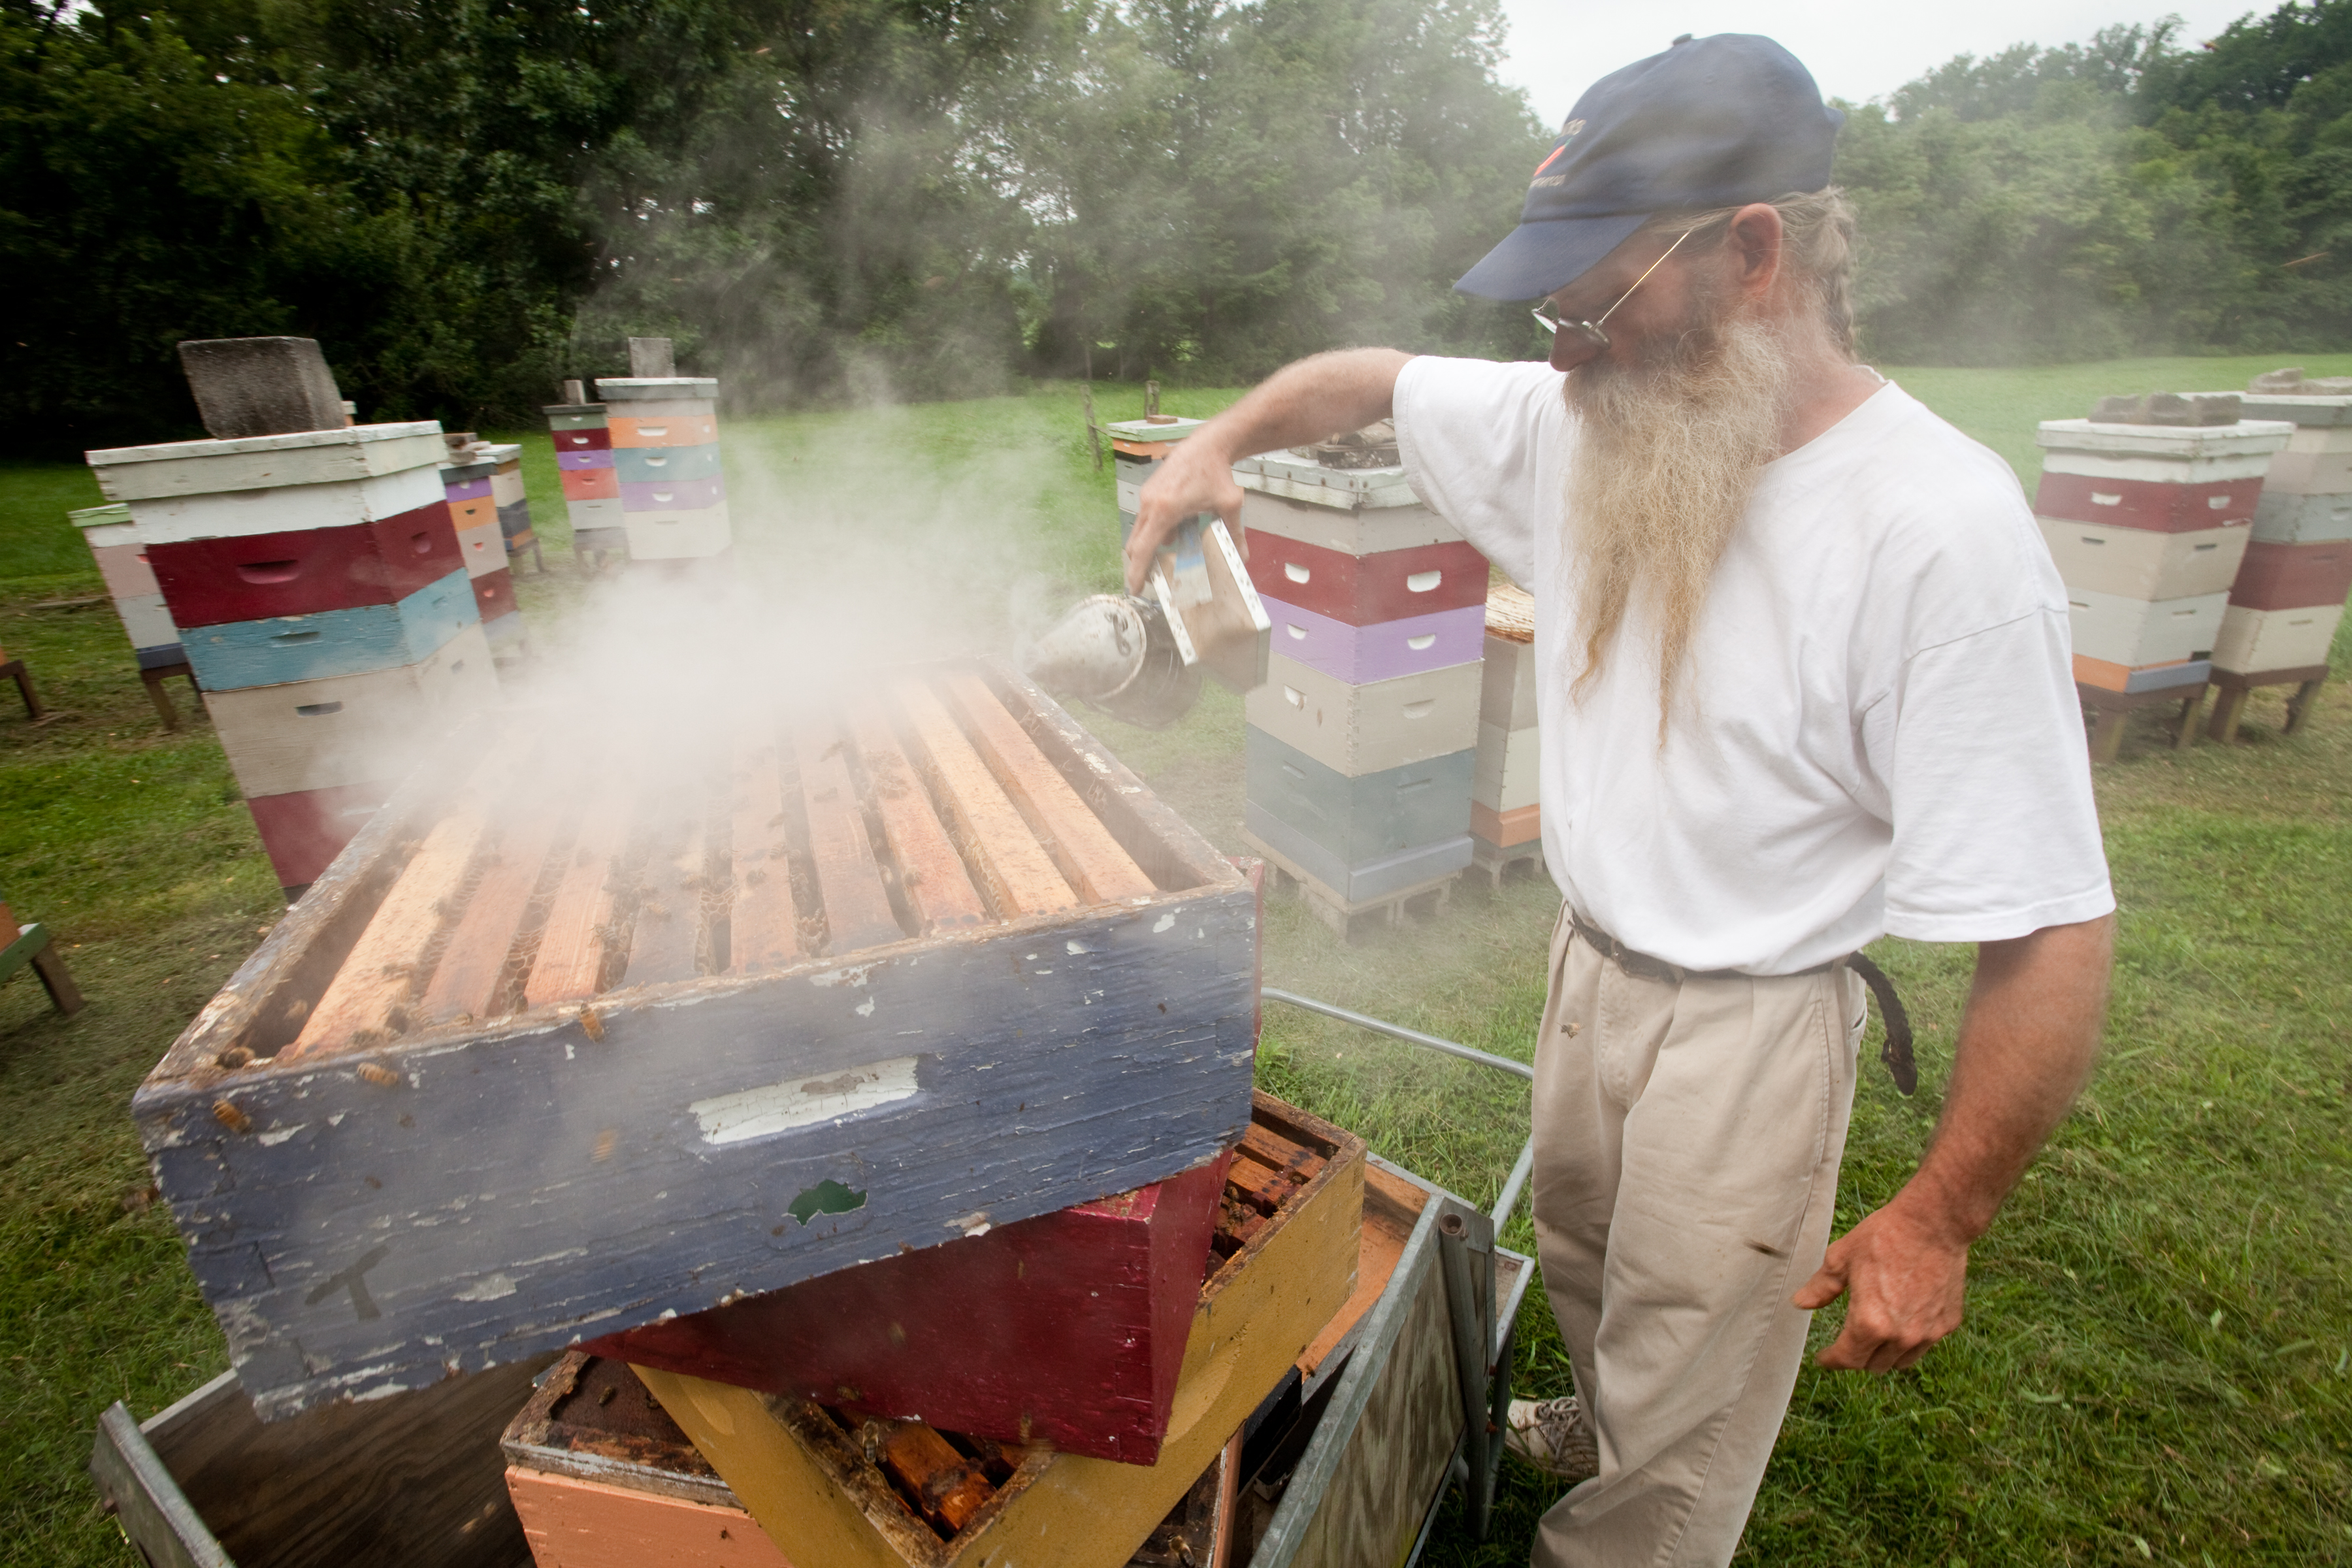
[(2303, 520), (1359, 730), (254, 576), (1509, 762), (1361, 820), (2293, 576), (349, 729), (666, 465), (231, 655), (2148, 504), (665, 389), (1359, 655), (2309, 412), (1362, 590), (261, 387), (2253, 641), (2138, 563), (286, 509), (2137, 632)]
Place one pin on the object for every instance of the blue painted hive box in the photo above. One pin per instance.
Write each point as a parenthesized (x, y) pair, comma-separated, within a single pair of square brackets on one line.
[(548, 1054)]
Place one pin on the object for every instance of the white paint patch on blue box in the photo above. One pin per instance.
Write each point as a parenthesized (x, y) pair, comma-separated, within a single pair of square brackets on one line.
[(331, 642)]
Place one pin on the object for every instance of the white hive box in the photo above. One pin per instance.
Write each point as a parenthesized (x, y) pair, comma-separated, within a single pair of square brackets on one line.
[(2138, 632), (2164, 454), (2251, 642), (2143, 564)]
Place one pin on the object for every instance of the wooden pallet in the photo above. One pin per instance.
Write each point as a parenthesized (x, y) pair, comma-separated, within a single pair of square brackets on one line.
[(1499, 862), (894, 1495), (589, 1027), (1421, 896)]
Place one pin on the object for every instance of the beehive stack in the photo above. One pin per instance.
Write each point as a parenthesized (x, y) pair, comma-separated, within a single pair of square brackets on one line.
[(592, 489), (1137, 448), (665, 445), (513, 503), (114, 545), (2147, 524), (1506, 822), (469, 481), (2288, 598), (315, 580)]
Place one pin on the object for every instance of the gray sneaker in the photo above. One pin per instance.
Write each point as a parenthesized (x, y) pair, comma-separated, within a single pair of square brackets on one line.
[(1552, 1435)]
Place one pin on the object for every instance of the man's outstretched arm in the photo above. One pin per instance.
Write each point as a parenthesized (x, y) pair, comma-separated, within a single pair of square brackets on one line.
[(2026, 1046), (1302, 401)]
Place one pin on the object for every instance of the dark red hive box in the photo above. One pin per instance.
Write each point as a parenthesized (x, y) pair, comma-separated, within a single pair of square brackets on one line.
[(2293, 576), (1067, 1328), (217, 581), (1365, 589), (2151, 504)]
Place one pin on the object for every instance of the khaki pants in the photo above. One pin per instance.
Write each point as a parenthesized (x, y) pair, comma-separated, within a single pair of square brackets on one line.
[(1687, 1139)]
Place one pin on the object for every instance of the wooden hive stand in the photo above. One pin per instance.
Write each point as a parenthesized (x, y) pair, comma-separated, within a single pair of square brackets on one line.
[(2106, 712), (2232, 689), (32, 946), (14, 670), (152, 679)]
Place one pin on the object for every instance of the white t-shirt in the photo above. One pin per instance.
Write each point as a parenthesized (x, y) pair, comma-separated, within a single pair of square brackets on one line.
[(1887, 735)]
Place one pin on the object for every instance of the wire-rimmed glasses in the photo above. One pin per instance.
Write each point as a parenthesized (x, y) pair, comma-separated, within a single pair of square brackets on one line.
[(1580, 342)]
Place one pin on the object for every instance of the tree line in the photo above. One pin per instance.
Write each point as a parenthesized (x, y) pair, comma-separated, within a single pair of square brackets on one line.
[(821, 200)]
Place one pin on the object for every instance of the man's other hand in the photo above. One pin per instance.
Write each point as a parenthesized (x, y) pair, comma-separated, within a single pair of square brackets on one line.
[(1906, 1285)]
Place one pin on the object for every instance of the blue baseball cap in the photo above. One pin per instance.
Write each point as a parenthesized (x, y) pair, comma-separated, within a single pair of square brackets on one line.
[(1711, 122)]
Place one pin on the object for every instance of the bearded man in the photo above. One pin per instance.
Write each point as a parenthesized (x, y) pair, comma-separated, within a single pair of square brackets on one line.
[(1804, 679)]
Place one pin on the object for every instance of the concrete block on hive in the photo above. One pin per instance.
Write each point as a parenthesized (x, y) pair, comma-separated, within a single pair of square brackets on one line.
[(348, 728), (2250, 641), (1363, 819), (1363, 589), (755, 1104), (1360, 655), (658, 396), (809, 1481), (2293, 576), (2135, 632), (280, 649), (2303, 520), (2152, 504), (1357, 730), (2323, 412), (2139, 563), (261, 387), (254, 576), (173, 469), (1067, 1329)]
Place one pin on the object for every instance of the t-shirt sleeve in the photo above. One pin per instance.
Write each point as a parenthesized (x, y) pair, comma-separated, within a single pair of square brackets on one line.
[(1996, 834), (1470, 432)]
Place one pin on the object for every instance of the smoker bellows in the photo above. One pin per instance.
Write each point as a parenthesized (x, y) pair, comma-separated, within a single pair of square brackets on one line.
[(590, 1027)]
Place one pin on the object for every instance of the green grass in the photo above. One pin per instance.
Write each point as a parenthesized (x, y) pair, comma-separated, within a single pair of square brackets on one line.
[(2158, 1364)]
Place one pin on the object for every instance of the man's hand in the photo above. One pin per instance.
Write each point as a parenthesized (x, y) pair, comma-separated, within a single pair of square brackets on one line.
[(1303, 401), (2026, 1045)]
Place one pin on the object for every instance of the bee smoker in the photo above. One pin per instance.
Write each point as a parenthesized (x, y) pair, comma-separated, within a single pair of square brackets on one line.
[(1117, 654)]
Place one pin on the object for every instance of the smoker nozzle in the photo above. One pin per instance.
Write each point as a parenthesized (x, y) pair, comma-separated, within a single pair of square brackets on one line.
[(1117, 654)]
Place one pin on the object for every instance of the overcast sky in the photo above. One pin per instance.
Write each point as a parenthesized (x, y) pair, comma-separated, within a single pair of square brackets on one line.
[(1856, 49)]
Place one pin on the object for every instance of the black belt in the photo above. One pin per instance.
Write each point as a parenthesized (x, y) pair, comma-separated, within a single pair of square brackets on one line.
[(1895, 1053)]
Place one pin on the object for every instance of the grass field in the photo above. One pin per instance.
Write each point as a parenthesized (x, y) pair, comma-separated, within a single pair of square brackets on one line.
[(2158, 1364)]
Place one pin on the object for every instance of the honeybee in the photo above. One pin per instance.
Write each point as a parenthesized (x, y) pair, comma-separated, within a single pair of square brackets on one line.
[(380, 1075), (591, 1025), (226, 1113)]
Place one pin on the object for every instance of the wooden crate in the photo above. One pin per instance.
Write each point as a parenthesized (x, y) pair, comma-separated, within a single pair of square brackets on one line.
[(494, 597), (417, 1479), (2303, 520), (597, 439), (1366, 818), (2143, 564), (2293, 576), (2156, 505), (1067, 1328), (603, 1478), (1360, 655), (2253, 640), (552, 1051), (2135, 632), (1359, 730), (813, 1484), (232, 656), (1505, 829), (1363, 589)]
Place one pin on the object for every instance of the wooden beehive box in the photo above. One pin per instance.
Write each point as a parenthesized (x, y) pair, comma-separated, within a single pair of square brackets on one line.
[(592, 1027), (897, 1495)]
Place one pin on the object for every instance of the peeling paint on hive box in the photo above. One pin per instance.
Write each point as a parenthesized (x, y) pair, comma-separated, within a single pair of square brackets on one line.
[(365, 1216)]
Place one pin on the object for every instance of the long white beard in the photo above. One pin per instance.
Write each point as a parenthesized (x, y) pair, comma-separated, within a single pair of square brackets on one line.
[(1666, 456)]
